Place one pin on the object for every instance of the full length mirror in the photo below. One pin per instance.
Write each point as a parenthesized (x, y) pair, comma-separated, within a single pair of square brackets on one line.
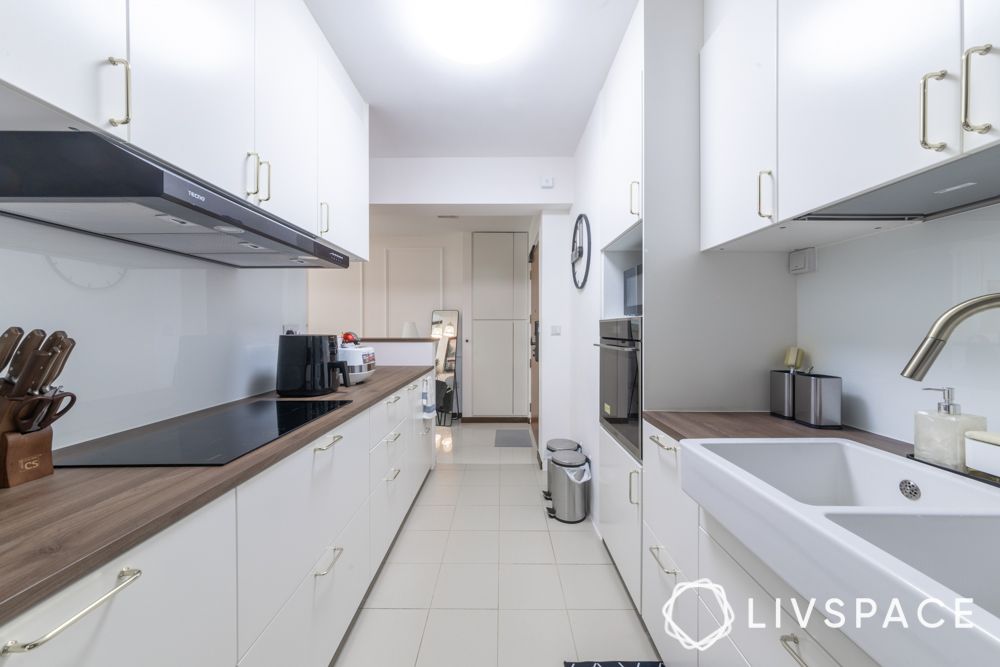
[(445, 327)]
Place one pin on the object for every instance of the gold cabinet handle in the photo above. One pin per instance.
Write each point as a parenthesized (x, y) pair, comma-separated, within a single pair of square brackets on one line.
[(393, 474), (256, 173), (333, 441), (324, 219), (662, 445), (656, 556), (968, 125), (412, 387), (393, 437), (633, 197), (787, 641), (633, 474), (337, 553), (115, 122), (760, 194), (125, 578), (268, 163), (924, 143), (394, 399)]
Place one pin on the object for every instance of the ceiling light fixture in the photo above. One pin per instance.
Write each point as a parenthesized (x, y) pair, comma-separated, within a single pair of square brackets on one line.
[(474, 32)]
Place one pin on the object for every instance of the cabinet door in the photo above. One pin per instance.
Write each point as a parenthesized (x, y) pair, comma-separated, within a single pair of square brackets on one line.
[(193, 83), (669, 512), (342, 158), (622, 135), (285, 106), (981, 26), (660, 574), (739, 117), (493, 276), (59, 51), (339, 485), (286, 639), (492, 368), (849, 106), (620, 493), (180, 611), (722, 653)]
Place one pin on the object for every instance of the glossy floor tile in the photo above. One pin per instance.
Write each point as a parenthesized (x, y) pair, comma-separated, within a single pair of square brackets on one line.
[(480, 574)]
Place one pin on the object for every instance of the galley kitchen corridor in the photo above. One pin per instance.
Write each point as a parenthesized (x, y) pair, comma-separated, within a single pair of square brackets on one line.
[(480, 576)]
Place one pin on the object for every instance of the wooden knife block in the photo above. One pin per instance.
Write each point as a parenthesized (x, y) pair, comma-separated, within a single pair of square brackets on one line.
[(25, 456)]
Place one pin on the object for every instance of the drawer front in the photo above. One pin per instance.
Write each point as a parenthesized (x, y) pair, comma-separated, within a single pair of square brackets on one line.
[(762, 646), (389, 503), (670, 513), (180, 611), (387, 413), (388, 454), (660, 575), (722, 653), (339, 484), (285, 640)]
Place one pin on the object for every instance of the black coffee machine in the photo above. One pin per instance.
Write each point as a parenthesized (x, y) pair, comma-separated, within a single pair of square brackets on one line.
[(308, 366)]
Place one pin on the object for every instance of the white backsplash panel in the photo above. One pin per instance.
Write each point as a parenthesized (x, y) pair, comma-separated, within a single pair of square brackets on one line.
[(872, 301), (157, 335)]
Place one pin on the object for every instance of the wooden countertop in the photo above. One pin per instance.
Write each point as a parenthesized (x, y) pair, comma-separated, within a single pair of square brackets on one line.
[(398, 340), (60, 528), (682, 425)]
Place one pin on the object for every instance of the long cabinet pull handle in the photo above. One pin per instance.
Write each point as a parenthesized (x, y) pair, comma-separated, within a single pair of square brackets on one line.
[(394, 399), (760, 194), (115, 122), (787, 641), (394, 436), (125, 578), (968, 125), (412, 387), (633, 197), (633, 474), (656, 556), (268, 163), (662, 445), (337, 553), (616, 348), (333, 441), (324, 218), (393, 474), (256, 173), (924, 143)]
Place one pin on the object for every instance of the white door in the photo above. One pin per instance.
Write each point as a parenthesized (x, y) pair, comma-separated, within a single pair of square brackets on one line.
[(342, 158), (193, 84), (493, 276), (739, 143), (620, 494), (59, 51), (981, 26), (285, 107), (848, 99), (492, 368)]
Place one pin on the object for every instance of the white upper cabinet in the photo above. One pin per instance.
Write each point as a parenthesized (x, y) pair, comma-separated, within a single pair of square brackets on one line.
[(287, 43), (59, 51), (849, 75), (622, 135), (343, 158), (193, 86), (981, 29), (739, 142)]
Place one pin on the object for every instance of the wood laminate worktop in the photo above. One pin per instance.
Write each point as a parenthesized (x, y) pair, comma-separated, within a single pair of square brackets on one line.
[(684, 425), (59, 528)]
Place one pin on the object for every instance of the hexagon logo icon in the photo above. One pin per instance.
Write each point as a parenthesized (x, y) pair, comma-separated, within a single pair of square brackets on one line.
[(673, 630)]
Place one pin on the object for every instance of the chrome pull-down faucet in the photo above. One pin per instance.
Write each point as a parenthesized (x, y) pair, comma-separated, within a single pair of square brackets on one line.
[(928, 350)]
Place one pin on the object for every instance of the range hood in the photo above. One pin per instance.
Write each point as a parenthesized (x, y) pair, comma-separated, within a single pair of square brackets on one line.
[(962, 183), (55, 170)]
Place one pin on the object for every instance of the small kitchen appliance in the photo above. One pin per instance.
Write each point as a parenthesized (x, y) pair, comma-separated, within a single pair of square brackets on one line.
[(620, 381), (633, 291), (307, 365), (360, 358)]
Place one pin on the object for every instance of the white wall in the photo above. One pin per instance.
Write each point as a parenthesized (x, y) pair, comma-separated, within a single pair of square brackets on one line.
[(555, 310), (158, 335), (862, 314)]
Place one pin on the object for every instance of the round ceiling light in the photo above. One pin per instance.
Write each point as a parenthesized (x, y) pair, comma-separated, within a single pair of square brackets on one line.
[(474, 32)]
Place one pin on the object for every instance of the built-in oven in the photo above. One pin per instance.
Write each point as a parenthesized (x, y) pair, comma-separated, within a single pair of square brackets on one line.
[(621, 381)]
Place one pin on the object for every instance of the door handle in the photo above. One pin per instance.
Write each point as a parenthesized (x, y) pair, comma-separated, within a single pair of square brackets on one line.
[(662, 445), (268, 163), (115, 122), (968, 125), (633, 197), (256, 174), (787, 641), (656, 556), (393, 474), (760, 194), (337, 553), (333, 441), (324, 219), (924, 143), (633, 474)]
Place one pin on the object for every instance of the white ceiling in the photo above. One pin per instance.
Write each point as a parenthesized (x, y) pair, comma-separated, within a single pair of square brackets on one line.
[(534, 103)]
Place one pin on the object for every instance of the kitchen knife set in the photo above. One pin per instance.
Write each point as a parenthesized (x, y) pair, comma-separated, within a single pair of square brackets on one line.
[(30, 401)]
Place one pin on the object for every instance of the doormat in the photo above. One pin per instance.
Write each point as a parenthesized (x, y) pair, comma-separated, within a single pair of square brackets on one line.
[(513, 437)]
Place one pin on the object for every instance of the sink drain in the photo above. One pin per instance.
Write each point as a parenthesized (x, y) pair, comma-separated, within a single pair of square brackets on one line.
[(909, 489)]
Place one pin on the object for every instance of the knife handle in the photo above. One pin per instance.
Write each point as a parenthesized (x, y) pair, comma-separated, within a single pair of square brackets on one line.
[(55, 369), (8, 345), (54, 339), (29, 344), (27, 381)]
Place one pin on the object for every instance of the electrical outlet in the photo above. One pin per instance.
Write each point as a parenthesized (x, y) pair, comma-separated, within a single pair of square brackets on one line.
[(802, 261)]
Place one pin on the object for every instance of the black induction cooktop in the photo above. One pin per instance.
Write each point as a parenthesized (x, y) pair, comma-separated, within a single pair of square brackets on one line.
[(212, 438)]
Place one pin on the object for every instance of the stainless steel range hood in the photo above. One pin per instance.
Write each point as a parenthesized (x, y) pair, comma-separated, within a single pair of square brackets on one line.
[(59, 172), (960, 184)]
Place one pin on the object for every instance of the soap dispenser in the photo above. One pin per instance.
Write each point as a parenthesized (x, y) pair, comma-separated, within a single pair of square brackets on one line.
[(940, 436)]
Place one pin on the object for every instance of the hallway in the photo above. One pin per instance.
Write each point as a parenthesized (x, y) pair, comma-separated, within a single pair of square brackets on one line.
[(480, 576)]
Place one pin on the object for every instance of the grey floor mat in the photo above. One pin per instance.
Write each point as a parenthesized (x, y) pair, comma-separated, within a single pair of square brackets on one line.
[(513, 437)]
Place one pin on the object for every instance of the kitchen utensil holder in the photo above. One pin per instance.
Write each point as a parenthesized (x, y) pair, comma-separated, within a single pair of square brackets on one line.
[(25, 457), (783, 394), (818, 400)]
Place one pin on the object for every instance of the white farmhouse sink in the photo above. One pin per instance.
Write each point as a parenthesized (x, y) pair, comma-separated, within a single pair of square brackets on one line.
[(829, 516)]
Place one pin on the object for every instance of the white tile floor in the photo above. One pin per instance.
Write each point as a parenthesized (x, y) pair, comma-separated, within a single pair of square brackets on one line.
[(481, 577)]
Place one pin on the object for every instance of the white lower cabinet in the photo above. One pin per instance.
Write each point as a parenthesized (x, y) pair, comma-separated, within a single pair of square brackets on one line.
[(180, 611), (722, 653), (619, 496), (670, 513), (660, 574)]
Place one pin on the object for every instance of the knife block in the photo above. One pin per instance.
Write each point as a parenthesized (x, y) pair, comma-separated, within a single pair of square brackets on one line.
[(25, 456)]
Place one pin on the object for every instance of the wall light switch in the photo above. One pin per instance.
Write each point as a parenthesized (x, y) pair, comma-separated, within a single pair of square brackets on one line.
[(548, 182), (556, 330)]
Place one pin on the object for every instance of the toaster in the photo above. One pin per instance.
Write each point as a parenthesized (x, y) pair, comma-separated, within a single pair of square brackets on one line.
[(360, 361)]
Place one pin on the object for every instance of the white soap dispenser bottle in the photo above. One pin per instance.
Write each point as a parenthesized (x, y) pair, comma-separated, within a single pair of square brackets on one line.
[(940, 436)]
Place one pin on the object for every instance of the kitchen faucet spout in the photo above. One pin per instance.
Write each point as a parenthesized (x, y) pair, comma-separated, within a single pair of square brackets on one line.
[(929, 349)]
